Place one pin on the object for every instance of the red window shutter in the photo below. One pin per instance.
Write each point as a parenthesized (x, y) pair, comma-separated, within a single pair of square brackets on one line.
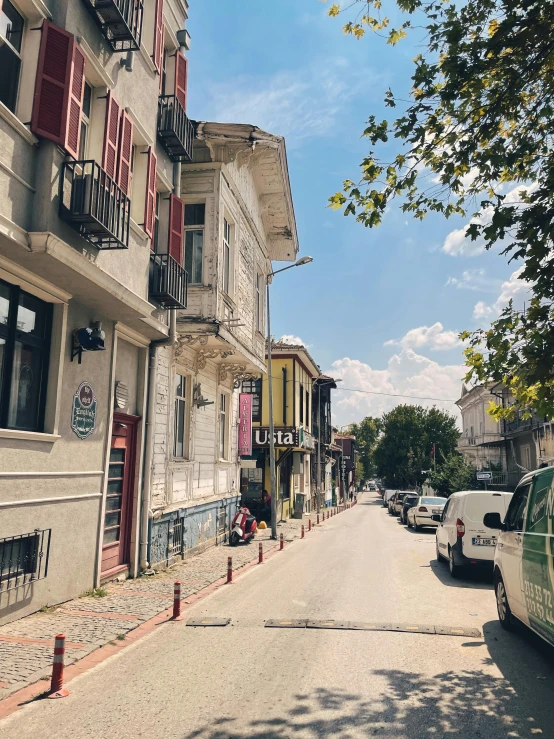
[(150, 205), (176, 228), (159, 35), (111, 136), (181, 78), (75, 104), (53, 83), (125, 152)]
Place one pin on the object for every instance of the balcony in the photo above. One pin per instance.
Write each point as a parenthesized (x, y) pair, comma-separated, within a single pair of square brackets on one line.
[(519, 424), (175, 130), (120, 22), (168, 282), (94, 205)]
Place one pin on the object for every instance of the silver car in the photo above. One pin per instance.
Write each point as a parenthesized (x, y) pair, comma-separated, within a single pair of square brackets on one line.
[(426, 512)]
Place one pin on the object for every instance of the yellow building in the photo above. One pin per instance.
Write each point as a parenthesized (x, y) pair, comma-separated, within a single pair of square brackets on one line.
[(294, 371)]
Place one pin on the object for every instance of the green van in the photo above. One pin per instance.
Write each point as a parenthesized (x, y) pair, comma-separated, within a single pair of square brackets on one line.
[(524, 555)]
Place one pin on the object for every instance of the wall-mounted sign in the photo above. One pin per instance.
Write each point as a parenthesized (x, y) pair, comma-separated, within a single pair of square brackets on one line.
[(306, 440), (121, 395), (281, 436), (245, 424), (83, 414)]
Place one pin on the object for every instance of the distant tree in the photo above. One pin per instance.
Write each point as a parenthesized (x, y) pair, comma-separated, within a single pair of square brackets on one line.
[(452, 474), (366, 433), (403, 452), (473, 140)]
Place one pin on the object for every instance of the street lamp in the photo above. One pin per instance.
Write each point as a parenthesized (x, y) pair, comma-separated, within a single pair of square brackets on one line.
[(272, 476), (322, 380)]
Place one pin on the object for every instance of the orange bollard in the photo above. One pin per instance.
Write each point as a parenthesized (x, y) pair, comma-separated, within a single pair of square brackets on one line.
[(260, 554), (318, 518), (302, 535), (177, 602), (229, 570), (309, 524), (281, 542), (57, 689)]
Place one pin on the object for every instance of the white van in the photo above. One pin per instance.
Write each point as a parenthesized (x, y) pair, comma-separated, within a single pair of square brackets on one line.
[(462, 537), (524, 557), (387, 496)]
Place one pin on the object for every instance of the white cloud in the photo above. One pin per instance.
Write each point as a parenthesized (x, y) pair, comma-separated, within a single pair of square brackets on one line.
[(457, 244), (435, 337), (297, 104), (513, 288), (407, 373), (474, 279), (291, 339)]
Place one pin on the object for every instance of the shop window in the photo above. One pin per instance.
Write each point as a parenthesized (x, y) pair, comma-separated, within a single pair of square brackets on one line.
[(254, 388), (195, 215), (11, 37), (180, 421), (25, 323)]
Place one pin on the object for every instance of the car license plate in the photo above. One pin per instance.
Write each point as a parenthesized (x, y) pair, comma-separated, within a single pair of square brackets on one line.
[(478, 542)]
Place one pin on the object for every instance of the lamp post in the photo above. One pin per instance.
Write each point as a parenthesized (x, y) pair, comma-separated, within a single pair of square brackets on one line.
[(272, 475), (320, 381)]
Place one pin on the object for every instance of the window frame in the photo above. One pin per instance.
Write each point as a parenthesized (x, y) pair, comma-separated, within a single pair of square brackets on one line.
[(301, 408), (226, 261), (18, 54), (224, 418), (86, 123), (520, 492), (11, 336), (254, 388), (183, 402), (259, 288), (194, 228)]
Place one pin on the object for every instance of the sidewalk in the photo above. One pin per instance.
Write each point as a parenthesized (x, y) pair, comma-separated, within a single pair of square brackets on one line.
[(91, 622)]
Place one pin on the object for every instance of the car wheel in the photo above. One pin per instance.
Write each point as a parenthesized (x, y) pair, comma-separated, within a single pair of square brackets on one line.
[(409, 523), (453, 567), (502, 606), (416, 526)]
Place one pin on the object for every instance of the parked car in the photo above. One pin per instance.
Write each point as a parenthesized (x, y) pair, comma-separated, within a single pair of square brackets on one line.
[(426, 512), (409, 501), (398, 501), (462, 538), (524, 555), (390, 504), (387, 496)]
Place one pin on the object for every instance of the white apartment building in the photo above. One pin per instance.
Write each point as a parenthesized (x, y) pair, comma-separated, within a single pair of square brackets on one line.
[(93, 131)]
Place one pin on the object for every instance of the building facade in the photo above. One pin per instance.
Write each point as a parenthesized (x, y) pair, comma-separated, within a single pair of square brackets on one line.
[(347, 478), (322, 469), (93, 130), (238, 217)]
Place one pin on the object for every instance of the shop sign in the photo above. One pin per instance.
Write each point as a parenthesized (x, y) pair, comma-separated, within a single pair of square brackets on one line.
[(307, 441), (245, 424), (83, 414), (282, 437)]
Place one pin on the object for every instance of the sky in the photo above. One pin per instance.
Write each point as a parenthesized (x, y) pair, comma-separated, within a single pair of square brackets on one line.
[(380, 308)]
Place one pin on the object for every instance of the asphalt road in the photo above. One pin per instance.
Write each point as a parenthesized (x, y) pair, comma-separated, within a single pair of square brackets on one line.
[(244, 680)]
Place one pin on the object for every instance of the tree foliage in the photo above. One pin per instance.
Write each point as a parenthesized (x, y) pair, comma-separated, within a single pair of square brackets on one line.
[(452, 474), (403, 452), (477, 141), (366, 433)]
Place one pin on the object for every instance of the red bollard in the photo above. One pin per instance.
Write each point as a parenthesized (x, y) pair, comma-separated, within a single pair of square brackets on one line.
[(177, 602), (302, 536), (57, 689), (309, 524), (318, 518), (281, 542), (327, 515), (260, 554), (229, 570)]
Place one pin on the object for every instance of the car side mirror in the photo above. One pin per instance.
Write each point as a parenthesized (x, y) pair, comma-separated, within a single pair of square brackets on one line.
[(493, 521)]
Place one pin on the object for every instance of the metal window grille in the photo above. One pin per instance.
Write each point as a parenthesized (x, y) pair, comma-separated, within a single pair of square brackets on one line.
[(176, 538), (24, 559)]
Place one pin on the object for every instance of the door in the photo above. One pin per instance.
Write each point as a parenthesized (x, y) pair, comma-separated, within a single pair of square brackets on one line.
[(442, 535), (119, 496), (510, 548)]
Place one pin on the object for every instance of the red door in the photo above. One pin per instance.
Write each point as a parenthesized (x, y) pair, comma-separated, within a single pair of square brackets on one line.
[(119, 497)]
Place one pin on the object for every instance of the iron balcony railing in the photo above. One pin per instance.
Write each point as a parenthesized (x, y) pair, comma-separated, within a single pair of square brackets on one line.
[(24, 559), (520, 424), (92, 202), (175, 130), (120, 22), (168, 282)]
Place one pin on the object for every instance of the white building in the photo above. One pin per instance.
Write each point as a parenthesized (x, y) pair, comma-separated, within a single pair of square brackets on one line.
[(238, 217)]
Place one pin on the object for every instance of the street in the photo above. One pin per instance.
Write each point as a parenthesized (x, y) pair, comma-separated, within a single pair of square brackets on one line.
[(246, 680)]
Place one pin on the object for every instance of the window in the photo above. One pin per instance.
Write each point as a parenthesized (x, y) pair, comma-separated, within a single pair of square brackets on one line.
[(308, 408), (254, 387), (301, 403), (24, 342), (226, 256), (11, 33), (259, 303), (156, 236), (194, 241), (223, 416), (516, 509), (85, 122), (180, 422)]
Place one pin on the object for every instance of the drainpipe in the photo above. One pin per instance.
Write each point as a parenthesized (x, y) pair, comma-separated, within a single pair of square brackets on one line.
[(151, 411)]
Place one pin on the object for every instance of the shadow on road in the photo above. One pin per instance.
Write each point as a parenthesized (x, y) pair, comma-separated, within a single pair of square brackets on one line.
[(480, 579), (465, 703)]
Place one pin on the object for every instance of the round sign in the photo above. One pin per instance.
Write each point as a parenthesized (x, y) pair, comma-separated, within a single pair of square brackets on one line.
[(86, 395)]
